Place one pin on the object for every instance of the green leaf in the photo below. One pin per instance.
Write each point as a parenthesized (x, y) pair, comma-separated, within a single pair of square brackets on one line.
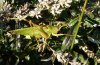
[(81, 58)]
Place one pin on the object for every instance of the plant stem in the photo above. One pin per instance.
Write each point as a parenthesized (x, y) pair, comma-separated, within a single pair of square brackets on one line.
[(75, 31)]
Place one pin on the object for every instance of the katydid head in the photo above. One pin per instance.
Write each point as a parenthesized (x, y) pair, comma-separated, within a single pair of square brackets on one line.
[(51, 30)]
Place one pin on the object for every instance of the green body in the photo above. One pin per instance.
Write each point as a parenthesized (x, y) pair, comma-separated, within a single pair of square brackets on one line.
[(37, 31)]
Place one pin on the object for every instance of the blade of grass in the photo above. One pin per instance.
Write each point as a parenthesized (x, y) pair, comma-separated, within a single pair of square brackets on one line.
[(75, 31)]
